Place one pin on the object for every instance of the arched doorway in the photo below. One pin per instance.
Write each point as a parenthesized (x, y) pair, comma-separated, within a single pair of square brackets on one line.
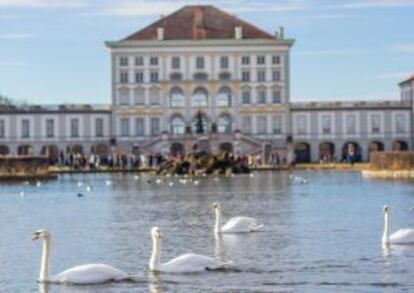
[(375, 146), (351, 151), (177, 150), (74, 149), (302, 152), (326, 152), (226, 147), (177, 125), (100, 149), (400, 145), (51, 151), (25, 150), (4, 150)]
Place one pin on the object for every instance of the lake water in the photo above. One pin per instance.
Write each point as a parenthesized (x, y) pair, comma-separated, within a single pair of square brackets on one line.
[(321, 236)]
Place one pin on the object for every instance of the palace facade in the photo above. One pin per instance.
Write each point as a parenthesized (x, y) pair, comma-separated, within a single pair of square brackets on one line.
[(201, 76)]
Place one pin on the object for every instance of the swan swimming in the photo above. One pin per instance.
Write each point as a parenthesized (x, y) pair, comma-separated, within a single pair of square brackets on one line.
[(79, 275), (402, 236), (186, 263), (235, 224)]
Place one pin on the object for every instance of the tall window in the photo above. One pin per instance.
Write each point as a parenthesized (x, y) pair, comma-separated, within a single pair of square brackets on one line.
[(123, 61), (155, 125), (246, 76), (139, 96), (124, 127), (139, 126), (224, 62), (276, 60), (177, 98), (50, 128), (139, 77), (245, 60), (375, 123), (177, 126), (25, 128), (154, 77), (123, 77), (261, 60), (199, 98), (276, 75), (200, 62), (99, 127), (277, 124), (400, 123), (326, 124), (175, 62), (2, 128), (154, 61), (74, 127), (139, 61), (124, 96), (261, 98), (224, 97), (261, 76), (246, 97), (224, 124), (247, 124), (301, 124), (276, 97), (154, 96), (350, 124), (261, 125)]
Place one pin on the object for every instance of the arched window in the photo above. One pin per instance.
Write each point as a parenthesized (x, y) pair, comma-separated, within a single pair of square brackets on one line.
[(224, 97), (177, 98), (177, 125), (139, 96), (200, 98), (224, 124)]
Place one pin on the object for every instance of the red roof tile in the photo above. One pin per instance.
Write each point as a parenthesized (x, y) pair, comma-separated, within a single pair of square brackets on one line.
[(199, 22)]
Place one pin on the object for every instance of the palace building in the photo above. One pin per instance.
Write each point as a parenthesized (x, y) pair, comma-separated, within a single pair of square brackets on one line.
[(201, 76)]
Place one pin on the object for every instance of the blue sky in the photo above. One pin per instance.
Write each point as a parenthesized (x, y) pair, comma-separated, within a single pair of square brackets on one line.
[(52, 51)]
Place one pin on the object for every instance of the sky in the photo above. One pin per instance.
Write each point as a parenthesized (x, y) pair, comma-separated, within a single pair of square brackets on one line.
[(52, 51)]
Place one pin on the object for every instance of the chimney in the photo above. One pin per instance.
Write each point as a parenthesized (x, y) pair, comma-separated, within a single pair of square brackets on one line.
[(238, 32), (281, 33), (160, 34)]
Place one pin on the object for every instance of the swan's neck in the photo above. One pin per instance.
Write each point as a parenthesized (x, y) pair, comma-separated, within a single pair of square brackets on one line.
[(45, 262), (218, 221), (386, 233), (155, 256)]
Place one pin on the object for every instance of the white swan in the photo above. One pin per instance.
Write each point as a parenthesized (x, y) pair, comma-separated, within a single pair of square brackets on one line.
[(186, 263), (235, 224), (80, 275), (402, 236)]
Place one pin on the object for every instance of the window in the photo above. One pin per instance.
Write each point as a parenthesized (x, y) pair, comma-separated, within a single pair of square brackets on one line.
[(200, 76), (375, 123), (177, 126), (224, 76), (261, 76), (261, 98), (350, 124), (139, 77), (200, 62), (123, 61), (124, 96), (123, 78), (276, 75), (154, 96), (247, 124), (400, 123), (139, 126), (154, 61), (261, 60), (301, 124), (277, 124), (276, 60), (125, 127), (224, 124), (224, 97), (139, 61), (326, 124), (246, 97), (245, 60), (224, 62), (139, 96), (175, 62), (2, 128), (99, 127), (25, 128), (155, 125), (175, 77), (177, 98), (199, 98), (154, 77), (246, 76), (74, 127), (261, 125), (276, 97), (50, 128)]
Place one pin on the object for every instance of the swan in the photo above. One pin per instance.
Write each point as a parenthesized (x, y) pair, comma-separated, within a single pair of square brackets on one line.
[(235, 224), (402, 236), (80, 275), (186, 263)]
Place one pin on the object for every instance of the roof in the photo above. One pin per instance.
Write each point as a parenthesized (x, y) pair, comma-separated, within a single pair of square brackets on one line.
[(195, 22), (411, 78)]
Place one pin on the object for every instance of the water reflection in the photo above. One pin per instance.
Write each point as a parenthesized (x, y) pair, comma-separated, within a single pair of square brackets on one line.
[(154, 282), (44, 288)]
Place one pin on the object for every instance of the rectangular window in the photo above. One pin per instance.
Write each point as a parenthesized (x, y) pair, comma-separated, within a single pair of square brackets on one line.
[(276, 75), (246, 97), (375, 123), (50, 128), (139, 77), (246, 60), (154, 61), (350, 124), (99, 127), (123, 78), (123, 61), (261, 125), (261, 76), (139, 61), (400, 123), (175, 63), (276, 60), (139, 96), (154, 97), (247, 124), (261, 60), (277, 124), (301, 124), (2, 128), (74, 127), (154, 77), (155, 126), (139, 126), (261, 98), (246, 76), (326, 124), (25, 128), (276, 97), (200, 62), (224, 62), (124, 127)]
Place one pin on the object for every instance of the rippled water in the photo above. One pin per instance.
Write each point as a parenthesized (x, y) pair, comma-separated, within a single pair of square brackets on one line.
[(321, 236)]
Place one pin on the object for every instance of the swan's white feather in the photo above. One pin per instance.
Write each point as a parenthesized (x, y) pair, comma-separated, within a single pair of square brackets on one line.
[(90, 274), (188, 263), (402, 236), (241, 225)]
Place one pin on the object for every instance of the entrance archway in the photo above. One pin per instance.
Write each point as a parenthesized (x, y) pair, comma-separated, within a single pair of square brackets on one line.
[(74, 149), (351, 151), (25, 150), (100, 149), (302, 152), (375, 146), (400, 145), (4, 150), (177, 150), (326, 152), (51, 151)]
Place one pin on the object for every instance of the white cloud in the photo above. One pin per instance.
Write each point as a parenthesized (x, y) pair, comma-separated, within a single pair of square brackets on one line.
[(395, 75), (43, 3), (332, 52), (403, 48), (16, 36), (377, 4)]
